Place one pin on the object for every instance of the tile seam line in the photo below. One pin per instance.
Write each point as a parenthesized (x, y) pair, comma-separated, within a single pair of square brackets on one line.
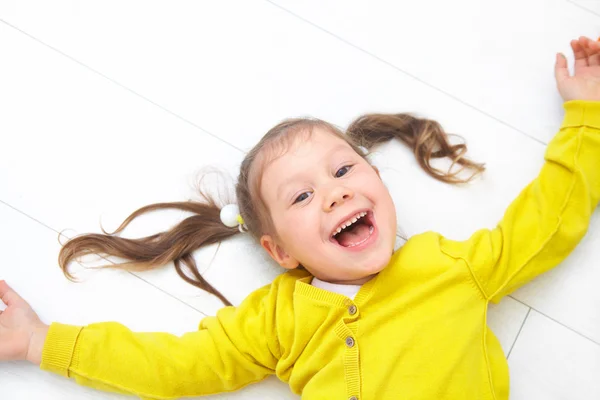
[(129, 272), (555, 320), (518, 333), (414, 77), (583, 7), (181, 118)]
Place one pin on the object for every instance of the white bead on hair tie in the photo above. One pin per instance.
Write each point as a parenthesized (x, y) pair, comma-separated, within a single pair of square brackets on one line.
[(231, 217)]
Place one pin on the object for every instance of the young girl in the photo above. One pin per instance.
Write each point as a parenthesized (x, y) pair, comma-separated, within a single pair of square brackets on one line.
[(351, 319)]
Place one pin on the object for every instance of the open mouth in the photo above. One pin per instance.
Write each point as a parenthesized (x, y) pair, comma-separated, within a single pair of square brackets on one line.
[(356, 231)]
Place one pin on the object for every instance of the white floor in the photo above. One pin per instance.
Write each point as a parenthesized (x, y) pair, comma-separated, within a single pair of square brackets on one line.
[(107, 106)]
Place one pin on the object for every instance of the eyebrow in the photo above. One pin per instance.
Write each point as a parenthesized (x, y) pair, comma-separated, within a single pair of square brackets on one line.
[(292, 179)]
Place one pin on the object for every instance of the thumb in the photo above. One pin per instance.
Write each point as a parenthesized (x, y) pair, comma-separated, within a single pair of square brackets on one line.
[(8, 295), (561, 70)]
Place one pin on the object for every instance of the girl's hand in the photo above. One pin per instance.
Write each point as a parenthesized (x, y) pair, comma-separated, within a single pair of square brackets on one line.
[(585, 82), (22, 333)]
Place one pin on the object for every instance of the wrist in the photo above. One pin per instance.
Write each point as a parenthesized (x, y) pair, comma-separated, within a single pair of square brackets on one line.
[(36, 344)]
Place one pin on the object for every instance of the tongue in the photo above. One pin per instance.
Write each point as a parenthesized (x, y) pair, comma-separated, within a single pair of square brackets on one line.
[(356, 234)]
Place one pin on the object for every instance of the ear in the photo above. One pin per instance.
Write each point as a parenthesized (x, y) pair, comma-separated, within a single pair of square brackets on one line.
[(277, 252)]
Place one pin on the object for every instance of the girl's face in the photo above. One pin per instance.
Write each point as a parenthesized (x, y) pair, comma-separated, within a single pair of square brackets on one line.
[(316, 188)]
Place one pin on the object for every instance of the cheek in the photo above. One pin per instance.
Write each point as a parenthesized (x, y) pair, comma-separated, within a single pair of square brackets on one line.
[(300, 227), (290, 226), (391, 215), (374, 185), (386, 204)]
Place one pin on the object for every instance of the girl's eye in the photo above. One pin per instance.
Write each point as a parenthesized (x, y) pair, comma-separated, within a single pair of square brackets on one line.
[(302, 197), (342, 171)]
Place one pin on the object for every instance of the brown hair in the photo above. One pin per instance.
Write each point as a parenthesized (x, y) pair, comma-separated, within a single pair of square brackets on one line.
[(425, 137)]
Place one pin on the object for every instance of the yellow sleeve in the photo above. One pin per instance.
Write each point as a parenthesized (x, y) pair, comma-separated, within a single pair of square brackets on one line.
[(236, 347), (548, 218)]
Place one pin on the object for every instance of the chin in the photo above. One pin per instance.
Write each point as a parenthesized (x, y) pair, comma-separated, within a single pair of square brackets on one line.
[(379, 262)]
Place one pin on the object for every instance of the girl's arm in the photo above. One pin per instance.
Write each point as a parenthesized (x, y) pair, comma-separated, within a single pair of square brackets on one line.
[(552, 214), (237, 347), (549, 217)]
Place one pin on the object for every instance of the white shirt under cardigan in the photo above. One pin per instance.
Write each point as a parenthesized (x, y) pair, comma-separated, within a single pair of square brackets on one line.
[(347, 290)]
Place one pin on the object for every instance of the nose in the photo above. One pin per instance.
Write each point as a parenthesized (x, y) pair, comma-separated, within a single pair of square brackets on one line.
[(336, 197)]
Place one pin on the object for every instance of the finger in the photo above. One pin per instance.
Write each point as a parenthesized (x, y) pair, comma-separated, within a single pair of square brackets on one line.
[(594, 45), (580, 55), (592, 50), (561, 70), (589, 39), (8, 296)]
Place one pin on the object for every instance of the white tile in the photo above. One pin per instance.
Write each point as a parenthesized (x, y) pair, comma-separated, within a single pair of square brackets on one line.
[(77, 151), (551, 362), (88, 148), (569, 293), (592, 6), (400, 241), (276, 65), (505, 320), (495, 56), (273, 66)]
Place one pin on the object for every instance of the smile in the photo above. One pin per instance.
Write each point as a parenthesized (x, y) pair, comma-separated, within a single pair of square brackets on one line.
[(356, 231)]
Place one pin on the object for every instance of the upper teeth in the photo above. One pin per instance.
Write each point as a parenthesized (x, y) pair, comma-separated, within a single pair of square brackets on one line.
[(349, 222)]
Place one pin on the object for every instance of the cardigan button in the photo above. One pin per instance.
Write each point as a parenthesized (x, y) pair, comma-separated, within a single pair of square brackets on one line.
[(353, 398), (349, 341), (352, 309)]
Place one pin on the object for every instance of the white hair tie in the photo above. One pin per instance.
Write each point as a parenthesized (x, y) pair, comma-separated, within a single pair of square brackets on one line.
[(231, 217)]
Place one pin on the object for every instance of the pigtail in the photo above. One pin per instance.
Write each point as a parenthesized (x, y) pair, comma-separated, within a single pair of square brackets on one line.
[(425, 137), (176, 244)]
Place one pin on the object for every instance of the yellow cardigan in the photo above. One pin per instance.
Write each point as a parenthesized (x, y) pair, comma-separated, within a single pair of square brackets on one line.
[(415, 331)]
